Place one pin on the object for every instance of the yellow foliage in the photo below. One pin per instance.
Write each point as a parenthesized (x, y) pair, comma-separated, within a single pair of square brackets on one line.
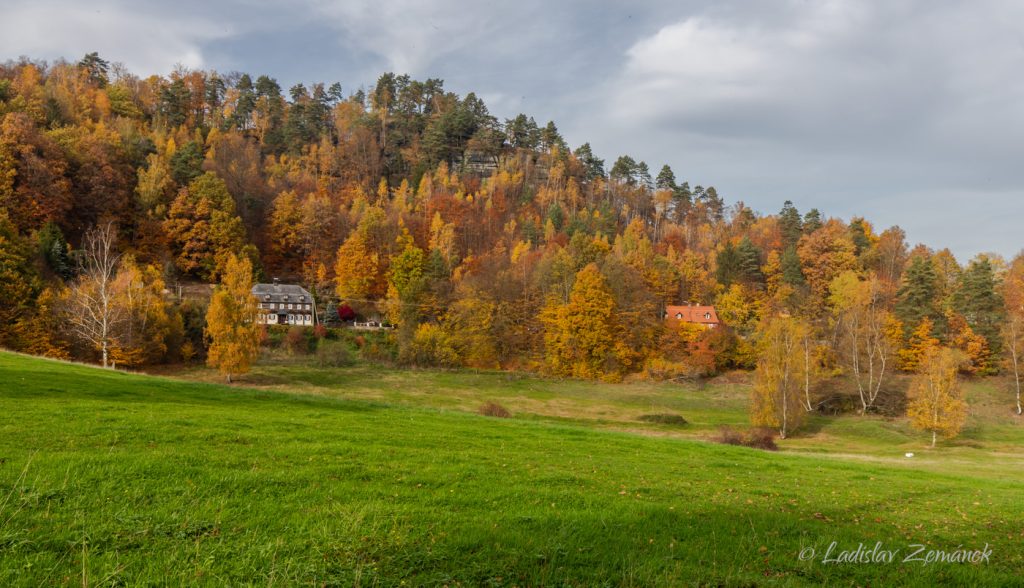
[(231, 326), (740, 307), (936, 404), (582, 337), (356, 269), (780, 376), (432, 346), (918, 346)]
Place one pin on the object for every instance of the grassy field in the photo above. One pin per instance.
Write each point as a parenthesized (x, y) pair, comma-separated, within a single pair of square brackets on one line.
[(368, 477), (993, 439)]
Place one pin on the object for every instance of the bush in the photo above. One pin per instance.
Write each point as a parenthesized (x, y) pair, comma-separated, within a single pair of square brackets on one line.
[(331, 353), (188, 352), (431, 346), (663, 419), (729, 436), (755, 438), (761, 439), (297, 340), (493, 409)]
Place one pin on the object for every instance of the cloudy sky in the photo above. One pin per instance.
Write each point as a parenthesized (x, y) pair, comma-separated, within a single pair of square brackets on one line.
[(907, 112)]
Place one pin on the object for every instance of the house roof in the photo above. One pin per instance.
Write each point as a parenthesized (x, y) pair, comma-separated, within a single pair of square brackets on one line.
[(704, 315), (281, 293)]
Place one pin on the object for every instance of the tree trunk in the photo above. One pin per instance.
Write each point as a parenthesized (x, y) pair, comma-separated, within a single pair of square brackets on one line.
[(229, 378), (807, 374), (105, 355), (1016, 365), (934, 435)]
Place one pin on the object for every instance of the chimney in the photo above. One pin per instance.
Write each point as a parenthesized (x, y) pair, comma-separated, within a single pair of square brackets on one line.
[(277, 282)]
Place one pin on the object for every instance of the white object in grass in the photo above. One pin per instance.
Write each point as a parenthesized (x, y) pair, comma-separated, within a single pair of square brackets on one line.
[(909, 454)]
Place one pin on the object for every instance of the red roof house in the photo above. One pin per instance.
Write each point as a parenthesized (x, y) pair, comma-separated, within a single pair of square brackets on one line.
[(701, 315)]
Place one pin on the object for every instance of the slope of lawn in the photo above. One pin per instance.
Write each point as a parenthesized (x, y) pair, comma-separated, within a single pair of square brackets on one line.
[(992, 440), (108, 478)]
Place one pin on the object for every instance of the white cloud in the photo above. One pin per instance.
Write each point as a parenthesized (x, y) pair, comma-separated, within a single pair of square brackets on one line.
[(409, 34), (146, 41)]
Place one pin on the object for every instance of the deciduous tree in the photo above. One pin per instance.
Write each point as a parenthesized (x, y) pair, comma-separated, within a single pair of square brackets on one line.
[(582, 336), (203, 227), (356, 270), (1013, 328), (935, 398), (231, 328), (94, 312), (867, 332), (777, 395)]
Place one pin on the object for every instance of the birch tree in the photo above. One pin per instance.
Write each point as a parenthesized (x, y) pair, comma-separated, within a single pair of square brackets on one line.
[(936, 404), (1013, 326), (811, 370), (864, 325), (780, 376), (93, 310)]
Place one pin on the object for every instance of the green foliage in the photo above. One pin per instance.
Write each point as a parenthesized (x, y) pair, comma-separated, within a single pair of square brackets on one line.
[(812, 221), (918, 296), (187, 163), (790, 224), (739, 263), (978, 299), (792, 274), (55, 250)]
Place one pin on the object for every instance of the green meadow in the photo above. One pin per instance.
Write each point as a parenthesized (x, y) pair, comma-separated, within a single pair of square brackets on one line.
[(366, 476)]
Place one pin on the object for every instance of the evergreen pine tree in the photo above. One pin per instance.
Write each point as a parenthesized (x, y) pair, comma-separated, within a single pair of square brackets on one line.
[(917, 298), (979, 302), (790, 224)]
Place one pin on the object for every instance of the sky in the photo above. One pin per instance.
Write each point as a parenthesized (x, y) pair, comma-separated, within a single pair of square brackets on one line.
[(906, 112)]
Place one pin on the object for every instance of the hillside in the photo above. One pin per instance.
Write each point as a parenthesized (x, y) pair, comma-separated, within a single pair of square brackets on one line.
[(488, 242), (112, 478)]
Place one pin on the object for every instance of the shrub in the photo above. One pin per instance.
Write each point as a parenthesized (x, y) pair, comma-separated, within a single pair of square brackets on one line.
[(188, 352), (377, 352), (297, 341), (659, 369), (493, 409), (755, 438), (331, 353), (761, 439), (663, 419), (431, 346), (730, 436)]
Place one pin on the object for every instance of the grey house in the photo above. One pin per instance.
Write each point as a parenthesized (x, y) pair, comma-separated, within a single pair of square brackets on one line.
[(284, 304)]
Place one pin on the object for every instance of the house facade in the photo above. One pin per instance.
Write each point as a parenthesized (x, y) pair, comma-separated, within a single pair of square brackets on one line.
[(700, 315), (284, 304)]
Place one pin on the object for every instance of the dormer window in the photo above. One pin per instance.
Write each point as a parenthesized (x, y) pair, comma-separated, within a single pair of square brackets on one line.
[(679, 315), (707, 315)]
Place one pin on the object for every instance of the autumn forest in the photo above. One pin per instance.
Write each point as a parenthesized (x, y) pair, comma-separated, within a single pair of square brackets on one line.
[(485, 242)]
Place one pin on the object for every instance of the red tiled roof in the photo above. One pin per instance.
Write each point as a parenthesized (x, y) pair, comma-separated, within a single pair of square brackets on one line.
[(704, 315)]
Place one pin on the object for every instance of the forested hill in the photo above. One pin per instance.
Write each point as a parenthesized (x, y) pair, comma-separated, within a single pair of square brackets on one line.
[(488, 242)]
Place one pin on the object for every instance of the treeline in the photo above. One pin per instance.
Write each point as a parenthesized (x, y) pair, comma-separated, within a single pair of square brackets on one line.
[(487, 242)]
